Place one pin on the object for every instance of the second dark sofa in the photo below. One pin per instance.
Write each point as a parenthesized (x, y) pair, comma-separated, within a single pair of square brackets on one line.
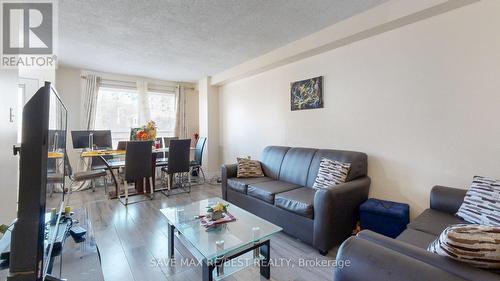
[(322, 218), (378, 258)]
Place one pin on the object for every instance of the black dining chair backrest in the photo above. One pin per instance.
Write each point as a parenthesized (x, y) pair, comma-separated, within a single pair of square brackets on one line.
[(98, 163), (178, 156), (138, 160), (166, 141), (198, 152), (122, 145)]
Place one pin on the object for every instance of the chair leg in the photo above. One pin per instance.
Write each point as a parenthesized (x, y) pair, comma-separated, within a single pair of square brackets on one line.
[(168, 183), (152, 188), (92, 185), (105, 185), (162, 178), (203, 173), (125, 184), (68, 192), (118, 194), (189, 182)]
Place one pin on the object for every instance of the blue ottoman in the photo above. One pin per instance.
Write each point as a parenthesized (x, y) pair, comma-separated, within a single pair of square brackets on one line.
[(385, 217)]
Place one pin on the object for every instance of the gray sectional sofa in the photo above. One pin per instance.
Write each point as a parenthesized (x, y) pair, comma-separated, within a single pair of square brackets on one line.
[(378, 258), (322, 218)]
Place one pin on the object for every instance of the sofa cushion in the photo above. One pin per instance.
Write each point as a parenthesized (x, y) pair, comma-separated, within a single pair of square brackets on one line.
[(330, 173), (296, 165), (476, 245), (434, 222), (482, 202), (358, 162), (266, 190), (416, 238), (298, 201), (241, 184), (272, 157), (248, 168)]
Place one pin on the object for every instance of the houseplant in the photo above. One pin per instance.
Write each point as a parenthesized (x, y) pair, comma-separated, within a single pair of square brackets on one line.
[(147, 132), (216, 211)]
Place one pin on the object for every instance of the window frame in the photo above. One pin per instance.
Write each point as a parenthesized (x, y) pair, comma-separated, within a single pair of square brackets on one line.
[(118, 135), (143, 105), (150, 92)]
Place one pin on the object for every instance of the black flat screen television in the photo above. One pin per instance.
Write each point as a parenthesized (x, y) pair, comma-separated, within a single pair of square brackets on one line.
[(43, 151), (100, 139)]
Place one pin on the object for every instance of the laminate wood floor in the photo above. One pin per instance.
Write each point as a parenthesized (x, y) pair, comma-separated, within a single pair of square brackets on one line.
[(132, 242)]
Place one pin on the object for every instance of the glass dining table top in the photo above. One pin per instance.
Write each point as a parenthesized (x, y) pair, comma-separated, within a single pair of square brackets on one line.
[(111, 152), (222, 239)]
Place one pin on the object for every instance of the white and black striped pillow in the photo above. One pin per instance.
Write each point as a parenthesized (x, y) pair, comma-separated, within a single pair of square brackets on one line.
[(476, 245), (330, 173), (482, 202)]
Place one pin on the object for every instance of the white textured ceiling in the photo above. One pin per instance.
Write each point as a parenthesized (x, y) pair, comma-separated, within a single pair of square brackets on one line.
[(184, 40)]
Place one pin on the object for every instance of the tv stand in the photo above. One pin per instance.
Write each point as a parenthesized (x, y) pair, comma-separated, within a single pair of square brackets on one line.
[(74, 261)]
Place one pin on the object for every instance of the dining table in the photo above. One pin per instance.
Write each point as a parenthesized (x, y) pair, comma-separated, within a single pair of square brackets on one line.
[(113, 164)]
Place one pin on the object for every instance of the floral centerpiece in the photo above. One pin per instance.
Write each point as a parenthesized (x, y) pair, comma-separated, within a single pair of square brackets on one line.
[(216, 211), (147, 132)]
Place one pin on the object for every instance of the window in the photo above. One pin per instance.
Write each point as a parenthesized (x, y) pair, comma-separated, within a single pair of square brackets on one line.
[(117, 110), (121, 108), (162, 111)]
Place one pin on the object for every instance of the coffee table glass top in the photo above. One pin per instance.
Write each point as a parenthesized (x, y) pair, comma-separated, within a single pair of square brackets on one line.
[(245, 231)]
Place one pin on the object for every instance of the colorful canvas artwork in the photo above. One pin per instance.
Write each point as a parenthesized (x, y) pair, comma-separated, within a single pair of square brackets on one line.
[(307, 94)]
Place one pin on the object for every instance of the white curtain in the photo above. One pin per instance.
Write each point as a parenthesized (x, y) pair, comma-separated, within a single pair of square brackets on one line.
[(89, 101), (89, 106), (181, 124), (144, 112)]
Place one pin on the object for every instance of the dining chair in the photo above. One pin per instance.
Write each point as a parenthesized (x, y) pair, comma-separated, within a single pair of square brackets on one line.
[(138, 167), (97, 163), (53, 175), (178, 165), (122, 145), (166, 141), (82, 176), (54, 178), (162, 157), (198, 158), (118, 162)]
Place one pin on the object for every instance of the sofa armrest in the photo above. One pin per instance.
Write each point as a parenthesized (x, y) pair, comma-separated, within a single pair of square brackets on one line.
[(227, 171), (336, 212), (446, 199), (375, 257)]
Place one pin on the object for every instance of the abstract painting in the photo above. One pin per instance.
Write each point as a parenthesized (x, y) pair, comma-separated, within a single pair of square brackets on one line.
[(307, 94)]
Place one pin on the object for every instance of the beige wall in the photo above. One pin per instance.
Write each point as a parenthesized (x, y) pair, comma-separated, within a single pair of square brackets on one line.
[(422, 101), (209, 125), (9, 163)]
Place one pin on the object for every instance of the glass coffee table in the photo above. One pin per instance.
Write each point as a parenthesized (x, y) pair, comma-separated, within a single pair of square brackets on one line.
[(222, 243)]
